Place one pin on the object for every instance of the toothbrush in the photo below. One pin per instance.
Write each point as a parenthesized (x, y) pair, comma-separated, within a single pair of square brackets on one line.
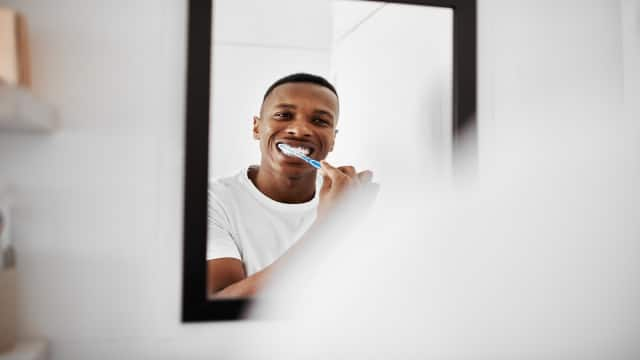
[(288, 150)]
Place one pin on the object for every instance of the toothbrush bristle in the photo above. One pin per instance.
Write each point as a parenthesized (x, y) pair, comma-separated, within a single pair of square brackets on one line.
[(288, 150)]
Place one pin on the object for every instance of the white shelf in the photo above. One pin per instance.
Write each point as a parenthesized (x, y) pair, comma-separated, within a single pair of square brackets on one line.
[(20, 111)]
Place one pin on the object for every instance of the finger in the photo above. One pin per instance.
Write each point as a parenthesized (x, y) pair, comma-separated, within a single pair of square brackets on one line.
[(330, 171), (348, 170), (365, 176), (326, 184)]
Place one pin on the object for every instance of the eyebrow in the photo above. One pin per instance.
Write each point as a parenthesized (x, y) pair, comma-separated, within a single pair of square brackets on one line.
[(285, 105), (317, 111)]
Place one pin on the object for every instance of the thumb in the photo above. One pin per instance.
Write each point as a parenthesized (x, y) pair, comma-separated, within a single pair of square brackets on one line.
[(328, 171), (326, 182)]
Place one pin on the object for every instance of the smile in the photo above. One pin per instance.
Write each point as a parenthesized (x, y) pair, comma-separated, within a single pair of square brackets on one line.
[(305, 149)]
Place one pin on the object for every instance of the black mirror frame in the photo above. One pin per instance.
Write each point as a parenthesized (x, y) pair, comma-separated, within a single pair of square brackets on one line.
[(195, 305)]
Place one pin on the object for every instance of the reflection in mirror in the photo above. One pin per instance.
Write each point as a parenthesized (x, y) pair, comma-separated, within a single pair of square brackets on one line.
[(391, 66)]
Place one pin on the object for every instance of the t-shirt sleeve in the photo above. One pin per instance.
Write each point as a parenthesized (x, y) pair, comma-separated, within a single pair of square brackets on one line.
[(220, 241)]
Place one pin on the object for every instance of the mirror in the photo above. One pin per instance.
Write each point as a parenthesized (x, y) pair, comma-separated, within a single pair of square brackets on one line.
[(361, 47), (404, 93)]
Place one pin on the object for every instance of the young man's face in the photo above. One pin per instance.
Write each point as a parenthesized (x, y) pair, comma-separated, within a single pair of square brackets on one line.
[(302, 115)]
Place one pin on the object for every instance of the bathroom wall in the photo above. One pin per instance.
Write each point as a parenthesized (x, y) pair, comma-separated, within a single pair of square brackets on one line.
[(395, 109), (548, 64), (98, 209)]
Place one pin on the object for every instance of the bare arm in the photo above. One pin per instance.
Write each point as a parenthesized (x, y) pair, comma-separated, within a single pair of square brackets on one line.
[(226, 278)]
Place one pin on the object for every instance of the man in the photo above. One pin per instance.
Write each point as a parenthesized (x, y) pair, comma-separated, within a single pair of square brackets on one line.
[(257, 215)]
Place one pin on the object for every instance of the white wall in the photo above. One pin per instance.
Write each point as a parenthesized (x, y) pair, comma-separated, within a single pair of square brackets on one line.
[(395, 89), (548, 62), (98, 216), (630, 22)]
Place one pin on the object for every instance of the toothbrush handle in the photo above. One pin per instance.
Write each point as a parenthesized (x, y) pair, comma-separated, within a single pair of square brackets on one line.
[(314, 163)]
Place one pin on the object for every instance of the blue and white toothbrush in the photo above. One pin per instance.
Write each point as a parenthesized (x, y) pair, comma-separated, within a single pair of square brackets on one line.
[(288, 150)]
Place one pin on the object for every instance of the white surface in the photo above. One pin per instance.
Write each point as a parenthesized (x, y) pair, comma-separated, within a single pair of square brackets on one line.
[(395, 95), (99, 205), (27, 350), (274, 23), (21, 111), (347, 15), (541, 62), (630, 18)]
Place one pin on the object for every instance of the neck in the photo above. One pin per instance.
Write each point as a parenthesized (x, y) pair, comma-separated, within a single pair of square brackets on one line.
[(283, 188)]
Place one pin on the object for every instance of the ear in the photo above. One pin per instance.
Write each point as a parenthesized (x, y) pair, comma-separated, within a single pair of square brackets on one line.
[(256, 128), (333, 141)]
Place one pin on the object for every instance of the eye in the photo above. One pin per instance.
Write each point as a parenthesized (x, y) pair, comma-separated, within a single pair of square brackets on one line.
[(321, 122), (282, 115)]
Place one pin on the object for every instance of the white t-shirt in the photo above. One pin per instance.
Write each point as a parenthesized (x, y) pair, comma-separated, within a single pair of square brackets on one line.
[(245, 224)]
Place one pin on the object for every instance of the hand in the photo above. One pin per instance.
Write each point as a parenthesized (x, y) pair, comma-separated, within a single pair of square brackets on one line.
[(340, 182)]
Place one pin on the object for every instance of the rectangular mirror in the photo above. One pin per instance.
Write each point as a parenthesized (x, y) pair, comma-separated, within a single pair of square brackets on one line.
[(404, 76)]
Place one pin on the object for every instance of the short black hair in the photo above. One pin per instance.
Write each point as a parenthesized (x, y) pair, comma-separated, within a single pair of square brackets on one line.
[(301, 78)]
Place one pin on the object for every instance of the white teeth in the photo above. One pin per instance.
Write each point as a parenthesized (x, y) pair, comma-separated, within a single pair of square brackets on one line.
[(303, 150)]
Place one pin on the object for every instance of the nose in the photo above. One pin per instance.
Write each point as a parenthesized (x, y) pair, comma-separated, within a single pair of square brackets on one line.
[(299, 128)]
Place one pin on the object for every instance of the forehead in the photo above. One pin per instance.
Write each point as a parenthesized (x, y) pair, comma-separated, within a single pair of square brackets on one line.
[(304, 95)]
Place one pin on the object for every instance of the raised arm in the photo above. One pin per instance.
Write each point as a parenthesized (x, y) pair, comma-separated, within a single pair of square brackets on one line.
[(226, 276)]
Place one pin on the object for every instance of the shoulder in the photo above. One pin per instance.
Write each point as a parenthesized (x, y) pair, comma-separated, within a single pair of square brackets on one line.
[(220, 185), (225, 189)]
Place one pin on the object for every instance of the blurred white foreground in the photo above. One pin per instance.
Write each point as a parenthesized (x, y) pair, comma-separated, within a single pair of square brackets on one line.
[(538, 257)]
